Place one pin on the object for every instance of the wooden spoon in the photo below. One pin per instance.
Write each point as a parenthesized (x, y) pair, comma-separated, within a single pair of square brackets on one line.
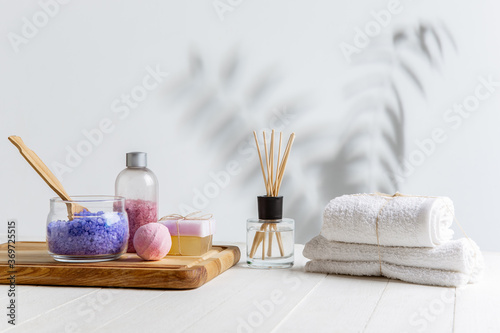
[(44, 172)]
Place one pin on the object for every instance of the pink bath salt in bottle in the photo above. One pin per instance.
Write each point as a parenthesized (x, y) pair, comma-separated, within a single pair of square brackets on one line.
[(139, 186)]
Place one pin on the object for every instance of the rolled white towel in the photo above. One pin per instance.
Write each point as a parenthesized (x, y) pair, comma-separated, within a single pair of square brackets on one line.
[(461, 255), (418, 275), (402, 220)]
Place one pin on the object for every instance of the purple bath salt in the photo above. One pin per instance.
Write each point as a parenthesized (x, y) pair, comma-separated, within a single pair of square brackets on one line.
[(89, 234)]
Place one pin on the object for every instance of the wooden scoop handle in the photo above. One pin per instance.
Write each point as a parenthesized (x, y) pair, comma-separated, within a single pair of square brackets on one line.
[(44, 172), (40, 167)]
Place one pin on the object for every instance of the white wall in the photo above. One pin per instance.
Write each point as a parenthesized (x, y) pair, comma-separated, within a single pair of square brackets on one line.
[(229, 77)]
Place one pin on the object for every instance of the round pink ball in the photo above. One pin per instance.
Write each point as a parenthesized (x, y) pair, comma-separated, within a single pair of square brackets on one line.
[(152, 241)]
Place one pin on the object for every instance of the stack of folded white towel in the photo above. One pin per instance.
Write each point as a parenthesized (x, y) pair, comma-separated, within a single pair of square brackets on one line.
[(403, 237)]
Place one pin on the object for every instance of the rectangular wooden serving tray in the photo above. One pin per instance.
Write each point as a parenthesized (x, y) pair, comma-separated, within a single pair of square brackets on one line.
[(35, 266)]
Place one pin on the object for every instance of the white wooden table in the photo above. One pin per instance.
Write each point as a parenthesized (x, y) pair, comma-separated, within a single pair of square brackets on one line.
[(249, 300)]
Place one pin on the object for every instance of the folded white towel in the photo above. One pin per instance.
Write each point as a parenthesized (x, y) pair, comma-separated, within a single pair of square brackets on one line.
[(461, 256), (418, 275), (403, 221)]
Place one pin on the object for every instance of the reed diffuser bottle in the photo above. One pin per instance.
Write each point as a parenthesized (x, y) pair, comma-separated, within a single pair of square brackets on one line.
[(270, 237)]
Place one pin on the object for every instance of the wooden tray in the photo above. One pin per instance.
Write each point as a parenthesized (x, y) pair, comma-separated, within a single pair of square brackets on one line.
[(35, 266)]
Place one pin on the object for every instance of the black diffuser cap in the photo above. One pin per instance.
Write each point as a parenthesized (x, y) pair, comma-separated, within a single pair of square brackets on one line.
[(270, 208)]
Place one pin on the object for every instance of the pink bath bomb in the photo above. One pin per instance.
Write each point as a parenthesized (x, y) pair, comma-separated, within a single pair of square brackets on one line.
[(152, 241)]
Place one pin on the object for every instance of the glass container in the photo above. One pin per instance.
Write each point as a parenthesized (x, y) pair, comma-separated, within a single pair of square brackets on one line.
[(270, 238), (139, 186), (97, 234)]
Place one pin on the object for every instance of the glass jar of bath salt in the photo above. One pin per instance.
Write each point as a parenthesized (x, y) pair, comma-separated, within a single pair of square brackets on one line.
[(87, 229), (139, 186), (270, 238)]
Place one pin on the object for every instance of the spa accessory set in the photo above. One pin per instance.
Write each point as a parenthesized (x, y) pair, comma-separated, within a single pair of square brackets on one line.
[(119, 241)]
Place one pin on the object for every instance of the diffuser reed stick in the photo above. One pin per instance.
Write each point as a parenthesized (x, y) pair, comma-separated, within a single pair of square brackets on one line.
[(273, 178)]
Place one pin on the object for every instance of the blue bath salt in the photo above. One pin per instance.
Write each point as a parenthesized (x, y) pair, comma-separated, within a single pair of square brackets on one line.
[(89, 234)]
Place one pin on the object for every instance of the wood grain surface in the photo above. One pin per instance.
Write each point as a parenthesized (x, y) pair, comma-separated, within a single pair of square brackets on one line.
[(258, 300), (36, 267)]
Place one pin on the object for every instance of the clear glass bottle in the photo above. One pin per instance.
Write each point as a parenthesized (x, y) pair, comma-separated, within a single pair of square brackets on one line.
[(139, 186), (270, 238)]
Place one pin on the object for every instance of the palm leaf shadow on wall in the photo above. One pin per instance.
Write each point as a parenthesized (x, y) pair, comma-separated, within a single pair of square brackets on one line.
[(224, 109), (222, 113), (372, 149)]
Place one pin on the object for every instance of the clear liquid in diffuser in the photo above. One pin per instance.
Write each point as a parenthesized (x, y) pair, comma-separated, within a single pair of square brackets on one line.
[(268, 253)]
